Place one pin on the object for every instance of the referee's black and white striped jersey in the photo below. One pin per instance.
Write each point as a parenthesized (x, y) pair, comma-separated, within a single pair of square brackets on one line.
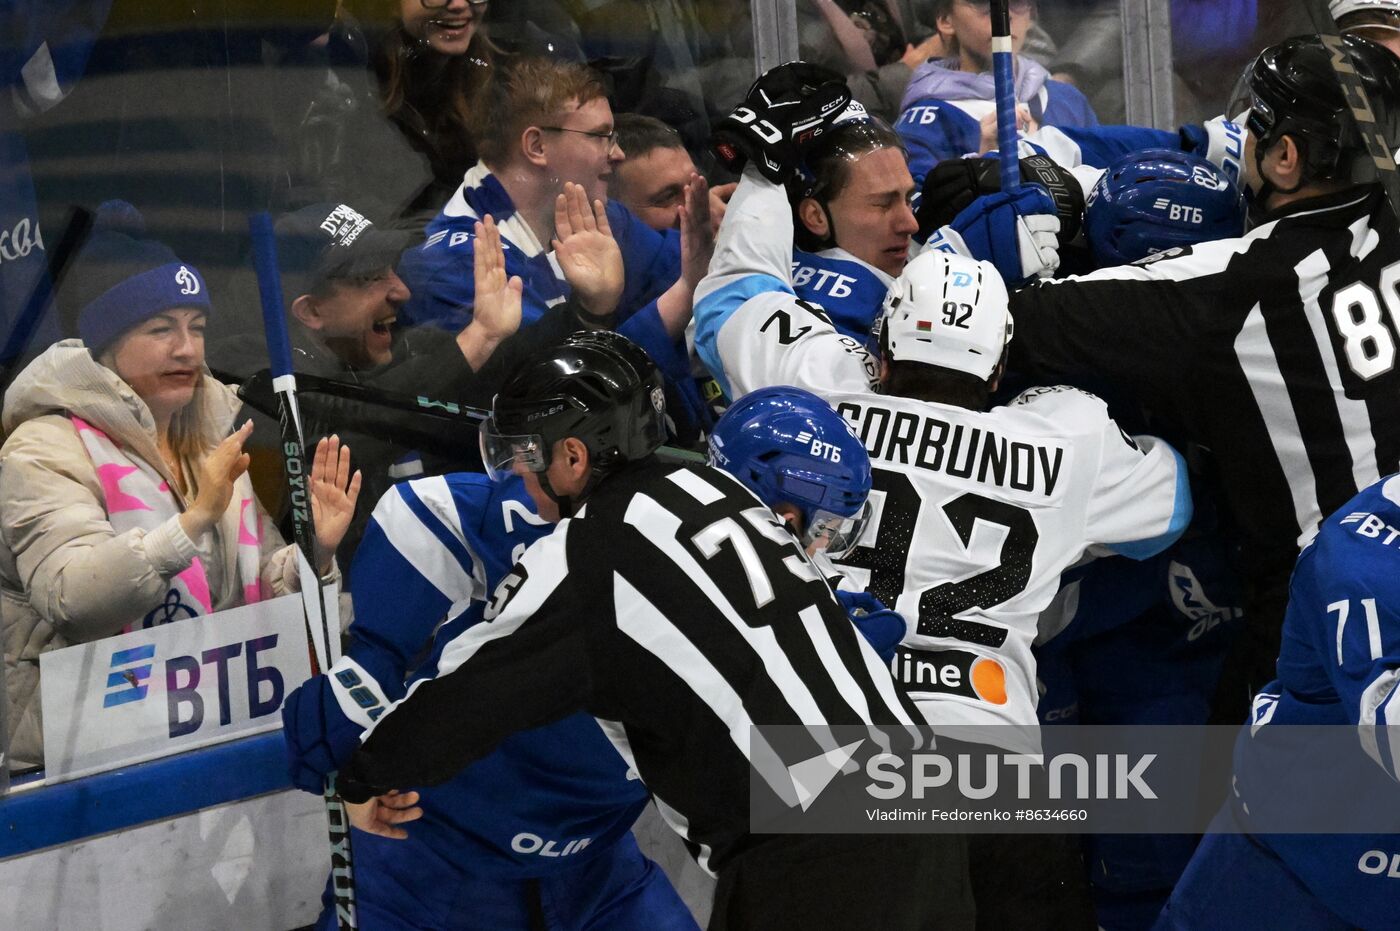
[(1276, 351), (677, 610)]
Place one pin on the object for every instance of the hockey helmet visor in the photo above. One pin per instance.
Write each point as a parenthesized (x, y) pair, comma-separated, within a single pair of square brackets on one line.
[(836, 534)]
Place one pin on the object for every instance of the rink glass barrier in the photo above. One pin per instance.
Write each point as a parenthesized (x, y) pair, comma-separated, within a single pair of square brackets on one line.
[(200, 117)]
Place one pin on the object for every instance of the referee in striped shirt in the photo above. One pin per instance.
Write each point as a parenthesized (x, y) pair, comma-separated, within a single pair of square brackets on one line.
[(675, 608), (1276, 352)]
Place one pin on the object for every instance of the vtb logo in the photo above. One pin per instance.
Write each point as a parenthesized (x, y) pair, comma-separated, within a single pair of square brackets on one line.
[(130, 670), (128, 684)]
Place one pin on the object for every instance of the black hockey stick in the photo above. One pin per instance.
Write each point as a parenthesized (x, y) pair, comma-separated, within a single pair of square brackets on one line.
[(420, 422), (322, 620), (1378, 145)]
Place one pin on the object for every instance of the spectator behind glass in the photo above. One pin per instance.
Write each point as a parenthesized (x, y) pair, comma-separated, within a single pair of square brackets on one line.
[(126, 502), (431, 62), (651, 181), (943, 107)]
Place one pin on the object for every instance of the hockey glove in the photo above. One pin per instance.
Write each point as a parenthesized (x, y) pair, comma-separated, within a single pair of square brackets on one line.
[(882, 628), (1219, 141), (1015, 232), (955, 183), (785, 109), (322, 721)]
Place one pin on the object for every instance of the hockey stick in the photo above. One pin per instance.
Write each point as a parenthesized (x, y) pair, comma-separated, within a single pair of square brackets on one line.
[(1378, 146), (322, 625), (417, 406), (1003, 77)]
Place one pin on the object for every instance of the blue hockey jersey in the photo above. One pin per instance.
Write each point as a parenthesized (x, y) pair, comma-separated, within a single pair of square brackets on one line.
[(941, 113), (1339, 664), (435, 548), (850, 291), (440, 275)]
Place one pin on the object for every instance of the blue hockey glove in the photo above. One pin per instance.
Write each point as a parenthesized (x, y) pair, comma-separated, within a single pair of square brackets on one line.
[(318, 734), (881, 627), (1016, 232)]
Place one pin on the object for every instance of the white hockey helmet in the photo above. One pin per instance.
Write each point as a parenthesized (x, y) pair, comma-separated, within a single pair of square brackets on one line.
[(947, 310), (1340, 8)]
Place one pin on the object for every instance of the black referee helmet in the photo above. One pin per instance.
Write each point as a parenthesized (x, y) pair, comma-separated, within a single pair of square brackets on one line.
[(1293, 91)]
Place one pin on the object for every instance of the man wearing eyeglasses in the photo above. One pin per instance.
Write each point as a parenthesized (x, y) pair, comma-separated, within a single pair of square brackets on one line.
[(941, 114), (548, 123)]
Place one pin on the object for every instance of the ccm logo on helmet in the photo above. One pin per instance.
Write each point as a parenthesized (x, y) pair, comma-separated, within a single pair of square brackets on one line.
[(819, 448)]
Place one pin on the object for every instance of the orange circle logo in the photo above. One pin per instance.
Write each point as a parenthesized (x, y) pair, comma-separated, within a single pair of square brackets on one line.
[(989, 680)]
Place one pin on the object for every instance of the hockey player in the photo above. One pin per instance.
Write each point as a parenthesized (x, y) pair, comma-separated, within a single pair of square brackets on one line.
[(800, 458), (541, 826), (850, 196), (666, 593), (1277, 346), (1050, 472), (1340, 665), (546, 817)]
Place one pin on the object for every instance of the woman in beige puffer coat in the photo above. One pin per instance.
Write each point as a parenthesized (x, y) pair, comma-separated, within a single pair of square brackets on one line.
[(161, 422)]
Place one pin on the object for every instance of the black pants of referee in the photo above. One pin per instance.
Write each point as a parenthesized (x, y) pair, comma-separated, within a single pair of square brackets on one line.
[(1030, 882), (836, 882)]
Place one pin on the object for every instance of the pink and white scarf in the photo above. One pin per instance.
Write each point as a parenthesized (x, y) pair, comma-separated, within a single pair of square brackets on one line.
[(136, 496)]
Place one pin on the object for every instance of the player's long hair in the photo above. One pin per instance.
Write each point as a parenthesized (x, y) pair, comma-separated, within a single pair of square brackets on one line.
[(828, 171)]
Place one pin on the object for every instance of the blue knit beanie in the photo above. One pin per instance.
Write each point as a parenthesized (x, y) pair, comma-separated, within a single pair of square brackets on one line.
[(121, 279)]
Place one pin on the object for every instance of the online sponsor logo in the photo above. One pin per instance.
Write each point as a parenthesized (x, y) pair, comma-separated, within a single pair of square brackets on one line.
[(950, 672)]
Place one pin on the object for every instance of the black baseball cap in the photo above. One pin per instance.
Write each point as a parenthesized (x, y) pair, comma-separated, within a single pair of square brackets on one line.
[(325, 242)]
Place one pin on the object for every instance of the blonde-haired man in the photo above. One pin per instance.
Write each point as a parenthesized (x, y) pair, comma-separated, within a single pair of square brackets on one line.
[(548, 123)]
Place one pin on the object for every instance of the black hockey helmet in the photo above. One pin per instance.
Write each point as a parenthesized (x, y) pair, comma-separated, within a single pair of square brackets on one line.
[(1294, 91), (600, 388)]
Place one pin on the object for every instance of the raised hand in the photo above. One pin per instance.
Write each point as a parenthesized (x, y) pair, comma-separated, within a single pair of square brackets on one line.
[(587, 253), (1024, 124), (383, 814), (697, 235), (217, 474), (498, 298), (334, 492)]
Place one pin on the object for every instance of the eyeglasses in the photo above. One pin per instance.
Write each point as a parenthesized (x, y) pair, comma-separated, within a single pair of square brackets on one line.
[(610, 136), (441, 4)]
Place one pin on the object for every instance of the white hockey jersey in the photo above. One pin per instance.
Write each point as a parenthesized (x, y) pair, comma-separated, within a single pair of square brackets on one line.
[(975, 513)]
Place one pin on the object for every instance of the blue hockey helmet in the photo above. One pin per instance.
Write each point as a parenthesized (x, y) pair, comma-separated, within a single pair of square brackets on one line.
[(788, 446), (1157, 199)]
